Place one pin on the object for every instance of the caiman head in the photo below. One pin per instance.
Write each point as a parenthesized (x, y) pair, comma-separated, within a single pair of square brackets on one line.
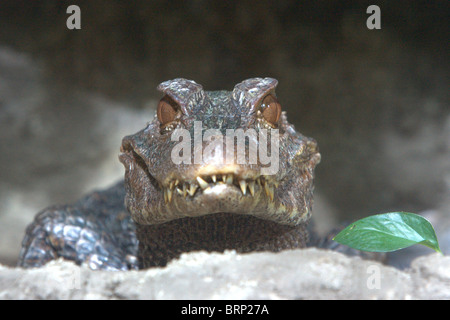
[(208, 152)]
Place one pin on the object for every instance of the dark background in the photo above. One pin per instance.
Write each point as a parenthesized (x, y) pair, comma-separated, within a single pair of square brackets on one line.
[(377, 101)]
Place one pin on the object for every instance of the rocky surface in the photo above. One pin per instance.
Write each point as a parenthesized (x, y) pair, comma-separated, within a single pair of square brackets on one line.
[(297, 274)]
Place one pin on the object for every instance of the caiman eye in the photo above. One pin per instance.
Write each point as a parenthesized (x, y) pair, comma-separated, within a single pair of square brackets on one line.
[(271, 109), (167, 110)]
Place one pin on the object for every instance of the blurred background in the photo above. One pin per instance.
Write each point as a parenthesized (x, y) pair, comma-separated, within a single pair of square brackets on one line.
[(377, 101)]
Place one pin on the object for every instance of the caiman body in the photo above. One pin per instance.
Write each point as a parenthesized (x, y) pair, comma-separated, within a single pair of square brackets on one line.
[(214, 170)]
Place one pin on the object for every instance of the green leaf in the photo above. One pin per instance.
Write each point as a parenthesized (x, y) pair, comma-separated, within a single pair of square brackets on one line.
[(389, 232)]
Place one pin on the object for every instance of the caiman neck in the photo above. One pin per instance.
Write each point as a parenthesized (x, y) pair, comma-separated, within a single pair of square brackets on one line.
[(160, 243)]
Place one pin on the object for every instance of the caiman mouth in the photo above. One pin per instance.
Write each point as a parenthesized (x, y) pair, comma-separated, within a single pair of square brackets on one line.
[(214, 183)]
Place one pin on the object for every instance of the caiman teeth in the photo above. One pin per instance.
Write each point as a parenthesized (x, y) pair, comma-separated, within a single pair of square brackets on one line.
[(192, 189), (229, 179), (254, 185), (202, 183), (251, 187), (169, 195), (269, 190), (243, 186)]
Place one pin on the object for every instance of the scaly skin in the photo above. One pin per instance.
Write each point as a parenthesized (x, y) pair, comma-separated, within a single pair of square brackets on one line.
[(202, 204)]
